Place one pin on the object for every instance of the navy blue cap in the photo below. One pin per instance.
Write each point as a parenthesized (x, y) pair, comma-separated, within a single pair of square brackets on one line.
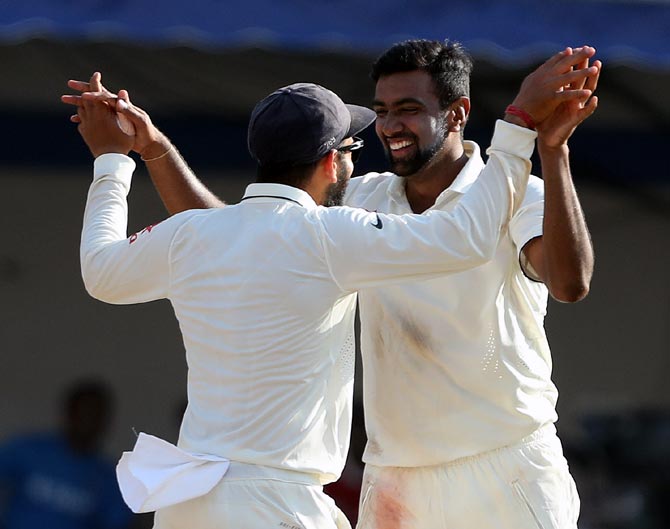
[(300, 123)]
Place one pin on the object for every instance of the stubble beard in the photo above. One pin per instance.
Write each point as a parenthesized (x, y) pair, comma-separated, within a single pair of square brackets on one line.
[(421, 159), (336, 191)]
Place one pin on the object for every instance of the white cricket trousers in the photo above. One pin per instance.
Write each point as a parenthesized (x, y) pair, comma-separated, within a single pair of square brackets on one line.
[(522, 486), (256, 497)]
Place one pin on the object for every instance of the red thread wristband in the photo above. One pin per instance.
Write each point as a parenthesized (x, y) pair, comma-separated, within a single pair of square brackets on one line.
[(520, 113)]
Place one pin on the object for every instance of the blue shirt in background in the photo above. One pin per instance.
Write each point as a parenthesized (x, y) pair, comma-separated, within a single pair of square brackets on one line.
[(47, 485)]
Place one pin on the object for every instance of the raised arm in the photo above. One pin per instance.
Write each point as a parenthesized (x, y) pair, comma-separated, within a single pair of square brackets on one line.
[(438, 242), (177, 185), (116, 268), (394, 248), (563, 256)]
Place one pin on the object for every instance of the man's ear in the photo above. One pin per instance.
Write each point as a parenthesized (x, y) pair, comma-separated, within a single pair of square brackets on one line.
[(324, 174), (458, 113), (328, 167)]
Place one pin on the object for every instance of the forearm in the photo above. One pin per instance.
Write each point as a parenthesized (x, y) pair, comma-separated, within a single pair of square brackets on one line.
[(177, 185), (567, 260)]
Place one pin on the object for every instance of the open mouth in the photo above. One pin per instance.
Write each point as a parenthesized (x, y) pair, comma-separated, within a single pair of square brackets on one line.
[(400, 148)]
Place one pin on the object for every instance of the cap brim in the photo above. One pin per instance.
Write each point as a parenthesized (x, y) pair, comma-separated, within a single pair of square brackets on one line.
[(361, 118)]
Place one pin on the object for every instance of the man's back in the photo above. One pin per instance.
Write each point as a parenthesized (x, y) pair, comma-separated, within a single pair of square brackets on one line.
[(263, 325)]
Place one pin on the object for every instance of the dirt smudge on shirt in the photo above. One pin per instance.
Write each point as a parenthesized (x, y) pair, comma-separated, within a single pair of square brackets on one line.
[(415, 337)]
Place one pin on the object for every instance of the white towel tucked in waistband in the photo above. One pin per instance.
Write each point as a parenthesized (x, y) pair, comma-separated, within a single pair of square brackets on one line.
[(157, 474)]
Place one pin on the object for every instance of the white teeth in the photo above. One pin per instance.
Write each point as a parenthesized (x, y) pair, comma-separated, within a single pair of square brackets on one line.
[(399, 144)]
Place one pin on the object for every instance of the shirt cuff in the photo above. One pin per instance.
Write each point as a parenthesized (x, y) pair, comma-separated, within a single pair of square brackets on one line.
[(119, 166), (513, 139), (524, 263)]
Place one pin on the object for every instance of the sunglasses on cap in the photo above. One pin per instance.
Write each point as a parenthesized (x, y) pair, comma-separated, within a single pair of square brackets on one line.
[(354, 148)]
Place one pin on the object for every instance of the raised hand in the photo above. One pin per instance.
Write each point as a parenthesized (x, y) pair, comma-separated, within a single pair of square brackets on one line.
[(558, 127), (148, 140), (99, 127), (565, 78), (94, 85)]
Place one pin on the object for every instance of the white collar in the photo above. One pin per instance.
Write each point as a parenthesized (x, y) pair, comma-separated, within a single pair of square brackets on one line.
[(280, 192), (464, 179)]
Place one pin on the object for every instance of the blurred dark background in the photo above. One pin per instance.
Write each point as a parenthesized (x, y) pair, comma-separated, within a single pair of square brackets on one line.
[(198, 70)]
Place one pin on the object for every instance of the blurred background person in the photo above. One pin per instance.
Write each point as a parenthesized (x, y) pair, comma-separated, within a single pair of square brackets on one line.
[(59, 480)]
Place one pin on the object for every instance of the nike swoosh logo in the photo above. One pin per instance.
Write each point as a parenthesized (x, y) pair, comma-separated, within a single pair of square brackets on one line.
[(377, 224)]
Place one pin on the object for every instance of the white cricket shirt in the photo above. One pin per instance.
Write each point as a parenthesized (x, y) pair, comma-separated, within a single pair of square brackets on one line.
[(264, 292), (457, 365)]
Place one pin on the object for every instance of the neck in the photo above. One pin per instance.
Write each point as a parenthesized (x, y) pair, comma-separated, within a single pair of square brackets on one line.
[(423, 187), (318, 193)]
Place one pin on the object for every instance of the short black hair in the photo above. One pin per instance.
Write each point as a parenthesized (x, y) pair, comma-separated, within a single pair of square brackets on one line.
[(448, 63)]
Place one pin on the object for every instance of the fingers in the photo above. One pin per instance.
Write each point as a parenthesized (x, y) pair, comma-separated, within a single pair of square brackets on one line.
[(573, 95), (592, 81), (565, 77), (568, 59), (96, 104), (555, 59), (96, 82), (80, 86), (80, 117), (578, 55), (583, 113), (578, 84), (78, 101), (123, 94), (581, 76), (574, 77), (69, 99), (589, 108), (104, 97), (133, 113), (125, 115), (125, 107), (94, 85)]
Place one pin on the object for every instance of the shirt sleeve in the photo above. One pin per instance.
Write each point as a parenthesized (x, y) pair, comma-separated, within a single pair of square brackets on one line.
[(527, 222), (366, 249), (116, 268)]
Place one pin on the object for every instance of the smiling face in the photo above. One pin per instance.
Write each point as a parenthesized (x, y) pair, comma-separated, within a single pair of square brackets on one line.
[(410, 122)]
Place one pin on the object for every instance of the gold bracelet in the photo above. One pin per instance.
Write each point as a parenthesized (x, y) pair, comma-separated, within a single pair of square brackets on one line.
[(157, 157)]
